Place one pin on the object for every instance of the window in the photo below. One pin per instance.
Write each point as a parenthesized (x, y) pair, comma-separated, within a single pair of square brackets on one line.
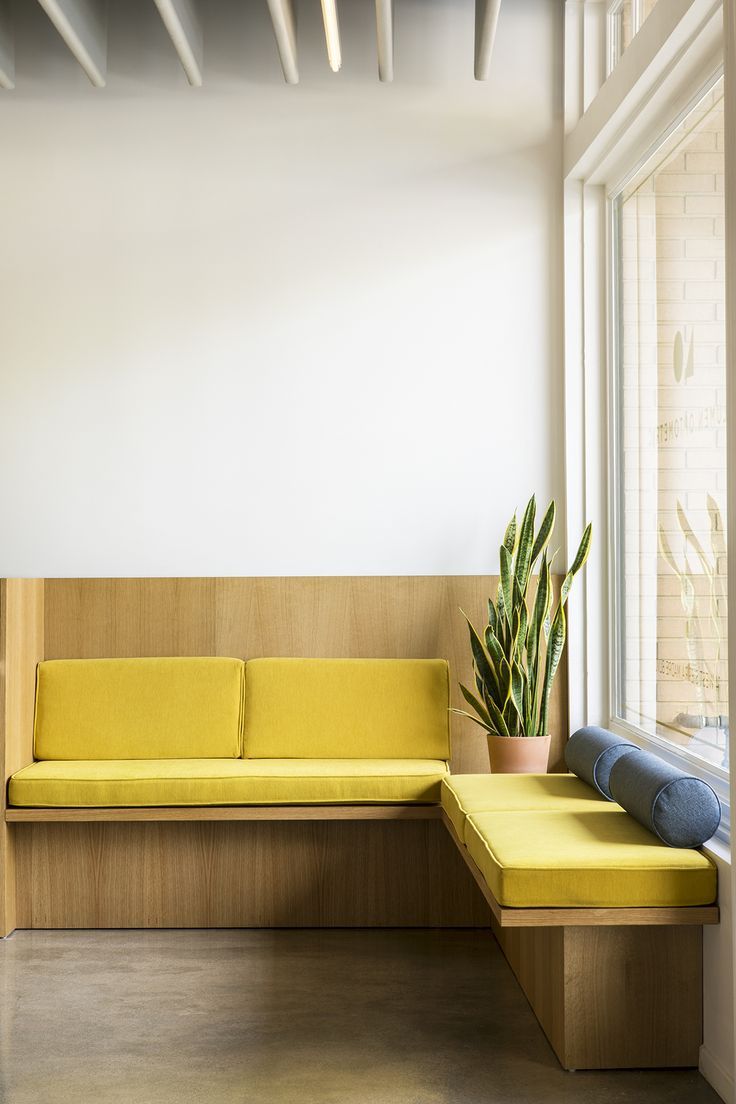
[(625, 18), (669, 458)]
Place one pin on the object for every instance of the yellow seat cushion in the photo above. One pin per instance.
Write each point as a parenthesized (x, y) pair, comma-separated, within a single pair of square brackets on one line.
[(347, 708), (465, 794), (584, 860), (139, 708), (137, 782)]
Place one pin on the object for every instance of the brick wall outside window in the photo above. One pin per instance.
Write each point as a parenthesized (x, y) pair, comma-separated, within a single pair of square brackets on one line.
[(673, 447)]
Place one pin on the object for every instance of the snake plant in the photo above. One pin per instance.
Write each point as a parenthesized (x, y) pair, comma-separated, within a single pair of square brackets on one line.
[(516, 659)]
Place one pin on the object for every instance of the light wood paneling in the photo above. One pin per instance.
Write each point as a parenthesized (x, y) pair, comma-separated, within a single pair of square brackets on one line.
[(100, 618), (386, 616), (228, 812), (244, 874), (21, 647), (612, 997), (633, 997)]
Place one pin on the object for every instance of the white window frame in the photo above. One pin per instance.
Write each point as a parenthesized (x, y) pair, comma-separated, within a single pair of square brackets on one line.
[(614, 46), (679, 756), (677, 51)]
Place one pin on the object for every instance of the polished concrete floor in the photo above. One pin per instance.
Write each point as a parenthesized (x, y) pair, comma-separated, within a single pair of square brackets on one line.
[(280, 1017)]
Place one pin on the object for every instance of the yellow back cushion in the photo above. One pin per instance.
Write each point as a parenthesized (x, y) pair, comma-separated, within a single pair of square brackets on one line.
[(189, 708), (346, 709)]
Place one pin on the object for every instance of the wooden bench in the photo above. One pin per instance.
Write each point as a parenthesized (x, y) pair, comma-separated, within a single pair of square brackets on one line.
[(611, 987)]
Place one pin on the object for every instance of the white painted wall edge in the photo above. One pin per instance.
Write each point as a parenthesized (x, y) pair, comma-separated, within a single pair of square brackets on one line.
[(716, 1074)]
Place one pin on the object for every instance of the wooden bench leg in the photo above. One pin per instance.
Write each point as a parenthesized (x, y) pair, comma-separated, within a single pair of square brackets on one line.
[(613, 997)]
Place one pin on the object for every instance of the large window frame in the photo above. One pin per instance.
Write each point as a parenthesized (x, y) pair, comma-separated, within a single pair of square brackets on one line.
[(610, 134), (717, 777)]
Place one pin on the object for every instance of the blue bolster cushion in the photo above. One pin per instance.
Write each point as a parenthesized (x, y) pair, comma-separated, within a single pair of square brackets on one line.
[(590, 754), (681, 810)]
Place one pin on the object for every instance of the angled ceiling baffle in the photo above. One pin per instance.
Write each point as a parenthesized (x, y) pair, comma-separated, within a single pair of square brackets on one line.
[(83, 26)]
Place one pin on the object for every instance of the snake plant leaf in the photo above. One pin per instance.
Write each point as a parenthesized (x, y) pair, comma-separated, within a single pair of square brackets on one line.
[(472, 717), (545, 532), (518, 641), (539, 612), (501, 612), (502, 672), (526, 543), (483, 664), (506, 582), (552, 661), (517, 691), (492, 615), (580, 557), (501, 727), (509, 537), (529, 725), (477, 705)]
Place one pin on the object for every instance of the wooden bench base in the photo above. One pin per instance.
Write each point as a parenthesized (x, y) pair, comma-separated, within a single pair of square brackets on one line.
[(612, 997), (206, 873)]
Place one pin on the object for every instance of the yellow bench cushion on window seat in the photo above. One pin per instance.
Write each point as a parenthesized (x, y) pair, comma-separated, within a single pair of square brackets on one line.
[(584, 860), (148, 782), (466, 794)]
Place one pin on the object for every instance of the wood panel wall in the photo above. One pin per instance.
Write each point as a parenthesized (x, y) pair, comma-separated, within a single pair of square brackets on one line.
[(21, 648), (336, 617)]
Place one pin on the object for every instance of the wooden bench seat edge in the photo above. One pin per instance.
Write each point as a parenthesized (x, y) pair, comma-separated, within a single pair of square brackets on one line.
[(17, 815)]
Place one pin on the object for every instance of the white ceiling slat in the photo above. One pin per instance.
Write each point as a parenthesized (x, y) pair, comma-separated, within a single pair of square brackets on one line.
[(82, 25), (7, 49), (385, 39), (486, 21), (182, 20), (284, 27), (332, 34)]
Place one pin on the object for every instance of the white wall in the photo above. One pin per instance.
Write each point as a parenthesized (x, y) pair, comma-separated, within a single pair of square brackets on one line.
[(255, 329), (717, 1051)]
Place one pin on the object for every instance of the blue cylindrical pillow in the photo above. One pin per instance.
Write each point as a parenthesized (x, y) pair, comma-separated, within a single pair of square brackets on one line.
[(591, 752), (683, 811)]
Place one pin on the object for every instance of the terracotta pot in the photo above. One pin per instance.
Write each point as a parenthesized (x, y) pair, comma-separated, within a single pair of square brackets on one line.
[(518, 754)]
